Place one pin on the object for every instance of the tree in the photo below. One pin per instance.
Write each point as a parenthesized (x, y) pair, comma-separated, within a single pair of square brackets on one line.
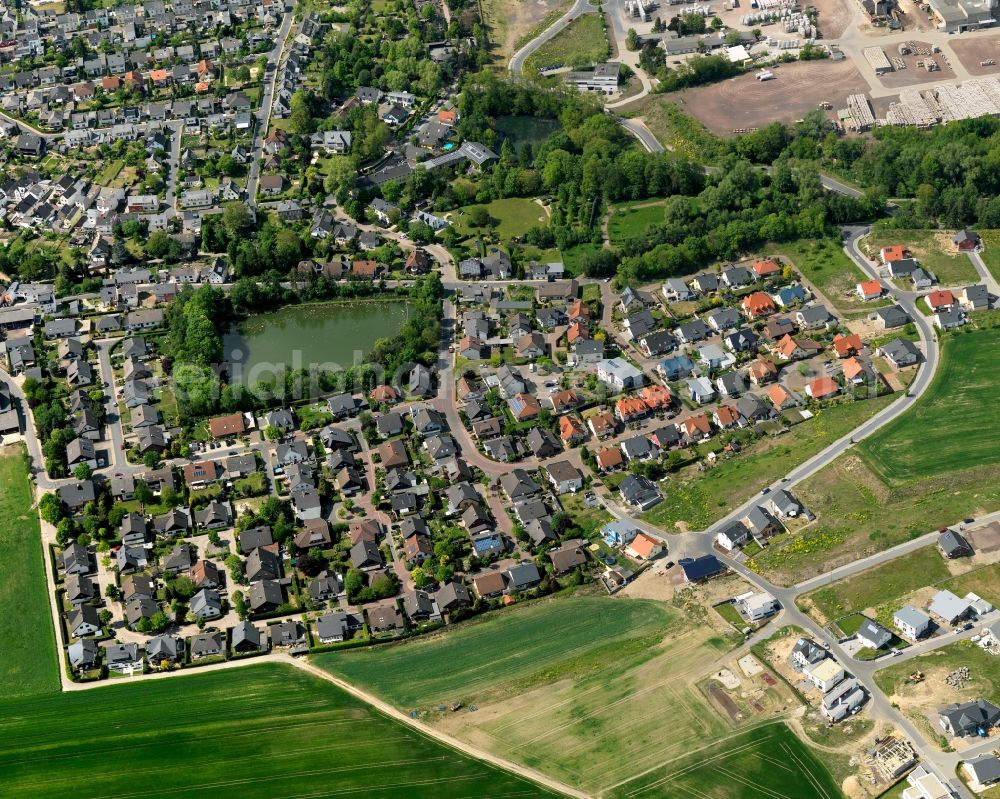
[(151, 459), (105, 617), (112, 592), (632, 40), (143, 493), (310, 565), (479, 216), (272, 433), (240, 605), (235, 219), (51, 508), (159, 622)]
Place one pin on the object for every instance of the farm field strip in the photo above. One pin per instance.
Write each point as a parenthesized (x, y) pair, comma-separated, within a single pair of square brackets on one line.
[(464, 661), (735, 771), (270, 718), (28, 658)]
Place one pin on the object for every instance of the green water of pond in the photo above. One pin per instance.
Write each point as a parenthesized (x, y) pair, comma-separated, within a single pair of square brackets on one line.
[(324, 335)]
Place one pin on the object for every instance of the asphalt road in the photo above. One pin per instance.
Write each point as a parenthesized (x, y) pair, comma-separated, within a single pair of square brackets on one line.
[(516, 63)]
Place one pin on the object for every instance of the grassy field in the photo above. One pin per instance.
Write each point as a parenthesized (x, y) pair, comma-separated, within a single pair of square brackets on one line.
[(571, 257), (769, 762), (949, 427), (582, 43), (463, 663), (885, 583), (991, 251), (698, 499), (28, 664), (859, 515), (514, 216), (824, 263), (262, 731), (629, 221), (615, 692), (933, 250)]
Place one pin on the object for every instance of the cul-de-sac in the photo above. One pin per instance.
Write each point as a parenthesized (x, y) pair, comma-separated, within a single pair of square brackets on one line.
[(443, 399)]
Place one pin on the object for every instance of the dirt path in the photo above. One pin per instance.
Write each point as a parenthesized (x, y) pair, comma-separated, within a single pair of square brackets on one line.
[(438, 735)]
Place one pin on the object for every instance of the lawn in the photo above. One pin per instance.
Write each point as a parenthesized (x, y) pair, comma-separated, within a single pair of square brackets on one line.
[(581, 44), (949, 428), (824, 263), (886, 583), (513, 217), (28, 664), (589, 519), (933, 250), (769, 762), (614, 692), (260, 731), (704, 497), (628, 222)]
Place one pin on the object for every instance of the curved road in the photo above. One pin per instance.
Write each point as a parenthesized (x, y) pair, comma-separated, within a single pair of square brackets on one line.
[(516, 63)]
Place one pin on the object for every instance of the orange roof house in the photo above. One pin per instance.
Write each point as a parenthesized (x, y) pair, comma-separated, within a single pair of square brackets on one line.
[(789, 348), (895, 252), (578, 311), (822, 387), (222, 426), (780, 397), (629, 408), (524, 406), (939, 300), (762, 371), (571, 430), (365, 268), (845, 346), (201, 87), (159, 76), (869, 290), (766, 267), (656, 396), (111, 83), (609, 458), (447, 117), (563, 401), (697, 426), (602, 424), (204, 68), (644, 547), (578, 330), (855, 371), (384, 393), (726, 416), (757, 304)]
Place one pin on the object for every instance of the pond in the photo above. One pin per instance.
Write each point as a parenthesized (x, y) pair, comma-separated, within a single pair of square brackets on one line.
[(329, 336)]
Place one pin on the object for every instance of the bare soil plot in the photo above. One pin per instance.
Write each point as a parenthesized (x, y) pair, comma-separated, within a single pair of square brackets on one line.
[(971, 52), (833, 17), (745, 102), (920, 700), (914, 74)]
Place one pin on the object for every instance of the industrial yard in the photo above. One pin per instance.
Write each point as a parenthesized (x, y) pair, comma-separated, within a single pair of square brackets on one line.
[(745, 102), (976, 54)]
